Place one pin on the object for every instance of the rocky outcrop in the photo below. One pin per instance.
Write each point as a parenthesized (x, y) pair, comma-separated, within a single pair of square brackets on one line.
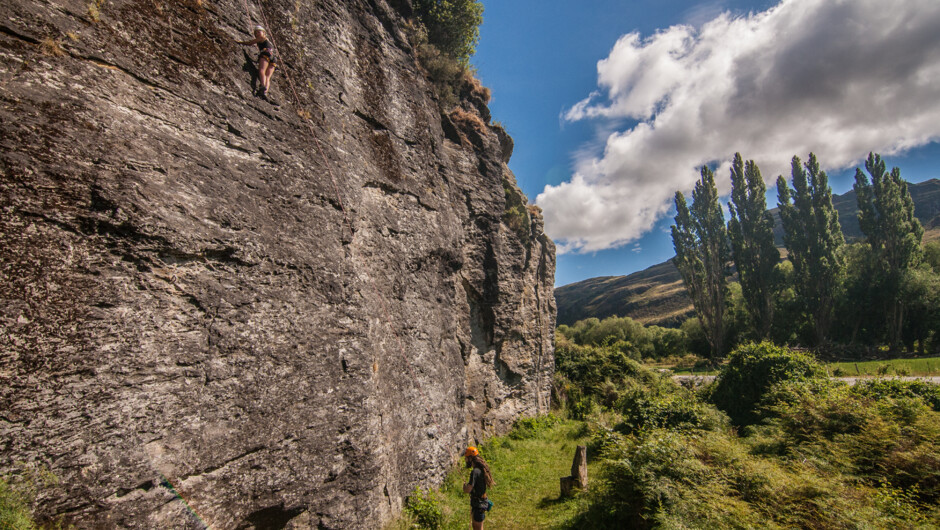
[(216, 311)]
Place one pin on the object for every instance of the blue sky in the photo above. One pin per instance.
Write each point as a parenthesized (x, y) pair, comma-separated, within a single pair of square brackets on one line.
[(540, 58)]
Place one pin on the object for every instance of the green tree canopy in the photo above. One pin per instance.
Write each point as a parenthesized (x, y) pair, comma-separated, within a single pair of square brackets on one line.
[(813, 238), (886, 217), (702, 255), (751, 229), (453, 26)]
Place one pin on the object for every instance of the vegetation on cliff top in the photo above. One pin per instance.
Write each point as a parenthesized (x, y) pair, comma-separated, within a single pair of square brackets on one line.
[(445, 35), (452, 26)]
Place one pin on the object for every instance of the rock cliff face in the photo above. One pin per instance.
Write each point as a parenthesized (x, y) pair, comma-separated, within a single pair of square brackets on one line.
[(287, 316)]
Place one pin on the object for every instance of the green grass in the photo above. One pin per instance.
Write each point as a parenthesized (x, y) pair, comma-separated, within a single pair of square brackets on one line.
[(928, 366), (527, 474), (14, 512)]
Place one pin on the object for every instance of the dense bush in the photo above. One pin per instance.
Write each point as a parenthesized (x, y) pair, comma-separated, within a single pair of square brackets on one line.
[(526, 428), (879, 434), (894, 388), (752, 371), (453, 26), (837, 461), (425, 508), (628, 336), (709, 479), (588, 367), (676, 409)]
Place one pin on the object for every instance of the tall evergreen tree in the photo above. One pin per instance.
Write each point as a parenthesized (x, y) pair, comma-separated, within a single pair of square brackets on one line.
[(886, 217), (702, 256), (813, 238), (751, 229)]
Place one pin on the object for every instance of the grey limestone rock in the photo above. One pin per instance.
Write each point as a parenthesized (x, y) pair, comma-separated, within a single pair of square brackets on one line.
[(287, 316)]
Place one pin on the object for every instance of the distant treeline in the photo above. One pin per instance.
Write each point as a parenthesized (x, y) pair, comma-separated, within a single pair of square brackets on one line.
[(882, 291)]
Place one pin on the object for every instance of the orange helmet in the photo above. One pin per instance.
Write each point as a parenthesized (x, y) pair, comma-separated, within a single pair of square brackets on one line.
[(471, 451)]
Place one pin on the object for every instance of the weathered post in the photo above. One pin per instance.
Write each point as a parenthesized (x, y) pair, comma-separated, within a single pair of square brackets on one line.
[(578, 478)]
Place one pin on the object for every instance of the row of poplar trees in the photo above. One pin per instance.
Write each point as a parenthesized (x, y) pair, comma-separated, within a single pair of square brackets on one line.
[(823, 272)]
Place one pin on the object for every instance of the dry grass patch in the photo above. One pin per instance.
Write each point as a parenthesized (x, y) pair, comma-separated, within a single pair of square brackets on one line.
[(51, 47), (468, 120)]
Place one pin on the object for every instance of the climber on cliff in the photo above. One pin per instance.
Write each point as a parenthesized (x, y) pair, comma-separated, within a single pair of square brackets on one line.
[(267, 59), (480, 479)]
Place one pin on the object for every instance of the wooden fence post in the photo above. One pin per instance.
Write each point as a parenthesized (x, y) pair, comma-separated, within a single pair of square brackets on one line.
[(578, 478)]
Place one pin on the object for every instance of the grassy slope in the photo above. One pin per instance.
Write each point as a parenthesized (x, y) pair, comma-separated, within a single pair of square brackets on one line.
[(651, 296), (527, 489)]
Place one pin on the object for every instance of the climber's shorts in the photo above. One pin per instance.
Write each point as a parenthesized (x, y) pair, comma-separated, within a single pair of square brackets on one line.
[(272, 58)]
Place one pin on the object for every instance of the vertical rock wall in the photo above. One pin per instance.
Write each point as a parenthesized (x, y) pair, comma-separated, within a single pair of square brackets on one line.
[(204, 298)]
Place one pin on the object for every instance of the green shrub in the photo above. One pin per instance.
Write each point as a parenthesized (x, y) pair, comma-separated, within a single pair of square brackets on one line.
[(453, 26), (425, 507), (678, 410), (752, 371), (515, 215), (809, 412), (893, 388), (870, 434), (446, 73), (588, 367), (526, 428), (582, 408)]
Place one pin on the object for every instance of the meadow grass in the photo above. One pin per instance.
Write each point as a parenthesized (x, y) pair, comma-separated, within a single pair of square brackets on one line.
[(527, 473), (928, 366)]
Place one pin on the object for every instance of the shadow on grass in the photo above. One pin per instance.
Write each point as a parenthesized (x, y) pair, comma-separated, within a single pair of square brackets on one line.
[(549, 501)]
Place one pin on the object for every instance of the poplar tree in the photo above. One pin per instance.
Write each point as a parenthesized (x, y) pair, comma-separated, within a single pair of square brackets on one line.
[(751, 229), (813, 238), (702, 256), (886, 217)]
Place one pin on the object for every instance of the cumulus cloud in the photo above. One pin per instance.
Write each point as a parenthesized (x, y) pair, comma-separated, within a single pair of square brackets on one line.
[(836, 77)]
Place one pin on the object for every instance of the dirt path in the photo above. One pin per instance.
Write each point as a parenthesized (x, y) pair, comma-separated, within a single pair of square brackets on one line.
[(697, 380)]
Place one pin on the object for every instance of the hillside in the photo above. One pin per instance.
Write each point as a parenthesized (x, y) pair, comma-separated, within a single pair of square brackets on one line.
[(656, 295), (289, 316)]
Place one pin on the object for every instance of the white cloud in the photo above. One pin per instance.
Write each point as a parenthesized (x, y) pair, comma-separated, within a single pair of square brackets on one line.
[(836, 77)]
